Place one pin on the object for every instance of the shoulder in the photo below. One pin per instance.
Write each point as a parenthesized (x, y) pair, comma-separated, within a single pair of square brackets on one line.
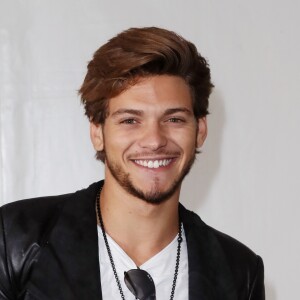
[(30, 214), (33, 218), (230, 246), (26, 227), (224, 255), (37, 211), (243, 262)]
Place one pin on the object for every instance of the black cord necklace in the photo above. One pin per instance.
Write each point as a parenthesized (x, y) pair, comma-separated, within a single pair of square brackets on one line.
[(179, 239)]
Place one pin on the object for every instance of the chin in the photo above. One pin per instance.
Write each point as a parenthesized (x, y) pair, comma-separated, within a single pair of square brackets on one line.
[(155, 193), (153, 196)]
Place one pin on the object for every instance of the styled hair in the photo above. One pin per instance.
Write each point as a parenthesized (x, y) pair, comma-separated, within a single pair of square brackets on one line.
[(143, 52)]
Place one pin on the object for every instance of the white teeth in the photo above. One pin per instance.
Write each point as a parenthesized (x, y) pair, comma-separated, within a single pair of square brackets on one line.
[(156, 164), (150, 164), (153, 163)]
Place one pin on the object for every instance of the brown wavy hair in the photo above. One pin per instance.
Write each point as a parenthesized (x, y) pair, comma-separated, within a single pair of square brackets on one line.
[(142, 52)]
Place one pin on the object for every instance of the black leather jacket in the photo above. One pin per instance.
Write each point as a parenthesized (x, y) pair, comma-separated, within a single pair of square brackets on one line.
[(49, 250)]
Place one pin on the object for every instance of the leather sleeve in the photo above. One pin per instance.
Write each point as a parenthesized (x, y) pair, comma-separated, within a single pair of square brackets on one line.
[(5, 281), (257, 290)]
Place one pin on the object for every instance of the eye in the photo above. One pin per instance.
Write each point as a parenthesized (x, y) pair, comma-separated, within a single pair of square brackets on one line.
[(129, 121), (175, 120)]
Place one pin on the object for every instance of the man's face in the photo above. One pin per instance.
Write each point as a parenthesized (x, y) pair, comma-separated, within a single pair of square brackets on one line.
[(150, 137)]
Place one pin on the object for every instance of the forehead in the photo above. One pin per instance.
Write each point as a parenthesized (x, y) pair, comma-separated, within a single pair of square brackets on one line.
[(153, 94)]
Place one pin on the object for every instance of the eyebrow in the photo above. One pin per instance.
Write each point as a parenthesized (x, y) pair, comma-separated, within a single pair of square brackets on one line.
[(137, 112), (123, 111), (171, 111)]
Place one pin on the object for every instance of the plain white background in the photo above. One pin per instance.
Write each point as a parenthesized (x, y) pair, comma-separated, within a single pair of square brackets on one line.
[(246, 181)]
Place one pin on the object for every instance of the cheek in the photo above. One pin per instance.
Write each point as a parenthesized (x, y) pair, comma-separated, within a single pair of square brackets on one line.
[(186, 140), (117, 141)]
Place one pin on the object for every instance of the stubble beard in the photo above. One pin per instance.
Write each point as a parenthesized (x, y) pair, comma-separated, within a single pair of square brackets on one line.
[(155, 195)]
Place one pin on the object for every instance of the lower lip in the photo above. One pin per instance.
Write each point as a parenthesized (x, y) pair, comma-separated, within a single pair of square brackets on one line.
[(160, 168)]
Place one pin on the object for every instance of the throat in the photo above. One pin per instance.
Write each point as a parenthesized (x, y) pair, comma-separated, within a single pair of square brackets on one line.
[(144, 251)]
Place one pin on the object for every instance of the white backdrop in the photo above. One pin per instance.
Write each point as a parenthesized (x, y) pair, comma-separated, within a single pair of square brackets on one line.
[(246, 182)]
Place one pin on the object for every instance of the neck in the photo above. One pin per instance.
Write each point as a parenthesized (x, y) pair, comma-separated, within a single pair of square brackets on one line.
[(141, 229)]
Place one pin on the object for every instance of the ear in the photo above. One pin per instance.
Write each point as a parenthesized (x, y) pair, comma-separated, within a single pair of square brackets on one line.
[(201, 131), (96, 135)]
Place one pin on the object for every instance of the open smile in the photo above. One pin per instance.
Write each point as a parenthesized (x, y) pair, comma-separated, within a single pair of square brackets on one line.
[(154, 163)]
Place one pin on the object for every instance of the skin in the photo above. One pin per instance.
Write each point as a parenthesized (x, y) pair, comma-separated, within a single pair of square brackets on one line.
[(152, 120)]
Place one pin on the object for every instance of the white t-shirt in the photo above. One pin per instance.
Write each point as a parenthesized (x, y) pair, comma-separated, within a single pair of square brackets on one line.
[(161, 267)]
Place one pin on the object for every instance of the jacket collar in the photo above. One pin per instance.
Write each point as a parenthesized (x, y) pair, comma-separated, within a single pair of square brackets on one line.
[(69, 262), (210, 277)]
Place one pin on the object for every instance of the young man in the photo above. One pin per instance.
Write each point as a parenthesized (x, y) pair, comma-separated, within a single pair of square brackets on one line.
[(146, 96)]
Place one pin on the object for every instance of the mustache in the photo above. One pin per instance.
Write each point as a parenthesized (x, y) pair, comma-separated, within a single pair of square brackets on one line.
[(162, 152)]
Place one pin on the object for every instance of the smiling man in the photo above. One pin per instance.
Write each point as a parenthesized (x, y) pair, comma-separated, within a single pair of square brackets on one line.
[(128, 237), (153, 134)]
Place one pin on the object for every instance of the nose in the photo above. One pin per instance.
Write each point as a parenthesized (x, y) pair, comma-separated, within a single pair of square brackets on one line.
[(153, 137)]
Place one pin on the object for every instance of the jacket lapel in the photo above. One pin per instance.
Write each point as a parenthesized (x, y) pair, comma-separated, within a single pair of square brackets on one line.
[(68, 266), (210, 277)]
